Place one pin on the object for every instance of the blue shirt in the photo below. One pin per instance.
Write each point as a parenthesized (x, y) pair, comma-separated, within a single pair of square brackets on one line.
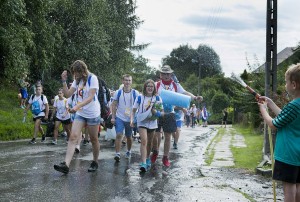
[(287, 146)]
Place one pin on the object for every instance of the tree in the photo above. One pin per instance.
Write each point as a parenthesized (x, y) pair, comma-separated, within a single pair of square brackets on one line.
[(185, 60), (219, 102)]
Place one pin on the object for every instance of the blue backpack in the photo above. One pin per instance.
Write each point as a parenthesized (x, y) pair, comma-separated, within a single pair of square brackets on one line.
[(35, 106), (133, 94)]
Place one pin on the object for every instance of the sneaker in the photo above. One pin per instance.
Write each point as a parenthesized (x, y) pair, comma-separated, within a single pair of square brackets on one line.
[(32, 141), (175, 146), (85, 142), (123, 142), (148, 163), (166, 161), (54, 142), (117, 157), (143, 167), (23, 107), (128, 154), (93, 167), (43, 138), (62, 167), (77, 149), (154, 156)]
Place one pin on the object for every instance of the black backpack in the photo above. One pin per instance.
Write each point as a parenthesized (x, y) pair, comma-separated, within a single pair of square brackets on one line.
[(103, 97)]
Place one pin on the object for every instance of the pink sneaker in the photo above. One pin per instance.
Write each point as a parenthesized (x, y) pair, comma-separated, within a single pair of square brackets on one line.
[(154, 157), (166, 161)]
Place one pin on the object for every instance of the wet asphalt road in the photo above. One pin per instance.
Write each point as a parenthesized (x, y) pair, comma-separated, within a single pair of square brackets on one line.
[(27, 173)]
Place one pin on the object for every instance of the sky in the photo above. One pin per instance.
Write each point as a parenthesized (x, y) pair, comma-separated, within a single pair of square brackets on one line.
[(235, 29)]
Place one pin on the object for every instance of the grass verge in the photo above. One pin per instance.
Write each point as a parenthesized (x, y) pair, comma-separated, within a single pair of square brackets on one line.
[(210, 150), (250, 156)]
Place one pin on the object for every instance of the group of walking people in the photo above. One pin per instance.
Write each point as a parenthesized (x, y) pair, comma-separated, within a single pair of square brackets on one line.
[(129, 109)]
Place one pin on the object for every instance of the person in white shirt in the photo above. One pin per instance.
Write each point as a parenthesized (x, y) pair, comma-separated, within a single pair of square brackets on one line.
[(121, 108), (40, 111), (62, 115), (146, 122), (87, 110)]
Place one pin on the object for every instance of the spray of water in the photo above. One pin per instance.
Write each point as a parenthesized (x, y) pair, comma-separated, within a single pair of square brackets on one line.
[(238, 79)]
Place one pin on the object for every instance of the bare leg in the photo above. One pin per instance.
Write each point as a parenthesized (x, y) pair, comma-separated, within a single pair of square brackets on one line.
[(118, 142), (57, 123), (143, 147), (167, 144), (37, 125), (289, 191), (93, 131)]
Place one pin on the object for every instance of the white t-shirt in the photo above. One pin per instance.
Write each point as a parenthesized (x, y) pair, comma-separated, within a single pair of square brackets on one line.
[(180, 89), (61, 109), (146, 104), (125, 103), (194, 111), (72, 102), (41, 103), (92, 109)]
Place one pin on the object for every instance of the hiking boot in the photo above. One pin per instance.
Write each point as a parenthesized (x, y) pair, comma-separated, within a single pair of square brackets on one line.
[(128, 154), (93, 167), (117, 158), (166, 161), (143, 167), (154, 156), (62, 167), (43, 138), (148, 163), (175, 146), (32, 141), (54, 142), (85, 142)]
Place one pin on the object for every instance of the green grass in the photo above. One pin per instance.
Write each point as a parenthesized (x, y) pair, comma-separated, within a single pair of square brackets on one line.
[(248, 157), (11, 116), (210, 151)]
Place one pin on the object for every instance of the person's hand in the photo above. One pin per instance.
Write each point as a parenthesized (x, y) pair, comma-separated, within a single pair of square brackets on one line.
[(113, 121), (198, 98), (184, 110), (64, 75), (153, 111), (131, 124), (46, 118)]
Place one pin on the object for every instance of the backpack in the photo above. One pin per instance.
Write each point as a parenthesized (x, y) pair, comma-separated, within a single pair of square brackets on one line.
[(140, 99), (174, 85), (133, 94), (103, 96), (35, 106)]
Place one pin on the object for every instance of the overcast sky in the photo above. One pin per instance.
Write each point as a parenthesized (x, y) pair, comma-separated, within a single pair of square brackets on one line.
[(235, 29)]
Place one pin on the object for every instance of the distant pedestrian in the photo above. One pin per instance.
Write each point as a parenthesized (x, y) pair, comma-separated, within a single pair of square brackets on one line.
[(225, 115), (61, 115), (204, 115), (287, 123), (23, 90), (38, 104), (87, 111)]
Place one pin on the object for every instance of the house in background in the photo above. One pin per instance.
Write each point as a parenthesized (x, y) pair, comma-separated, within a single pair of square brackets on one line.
[(282, 56)]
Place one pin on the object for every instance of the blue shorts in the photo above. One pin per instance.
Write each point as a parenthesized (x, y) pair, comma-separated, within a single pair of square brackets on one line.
[(179, 124), (88, 121), (121, 125), (24, 93)]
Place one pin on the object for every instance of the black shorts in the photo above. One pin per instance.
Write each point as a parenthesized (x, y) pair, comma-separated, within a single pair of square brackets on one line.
[(148, 130), (286, 172), (65, 122), (38, 117), (168, 123)]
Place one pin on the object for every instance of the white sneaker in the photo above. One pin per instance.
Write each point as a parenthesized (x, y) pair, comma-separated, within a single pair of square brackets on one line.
[(54, 142)]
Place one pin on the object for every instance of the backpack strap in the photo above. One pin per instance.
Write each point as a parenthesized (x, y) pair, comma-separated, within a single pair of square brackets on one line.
[(175, 86), (157, 98), (134, 95), (119, 94), (157, 85), (139, 99), (89, 83)]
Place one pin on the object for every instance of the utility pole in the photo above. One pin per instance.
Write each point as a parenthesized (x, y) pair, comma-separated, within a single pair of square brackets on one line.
[(271, 62)]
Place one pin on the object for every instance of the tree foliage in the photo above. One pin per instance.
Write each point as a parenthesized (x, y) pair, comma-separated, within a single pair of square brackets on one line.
[(203, 61)]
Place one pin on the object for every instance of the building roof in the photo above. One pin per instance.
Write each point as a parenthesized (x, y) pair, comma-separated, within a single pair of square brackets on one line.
[(281, 56)]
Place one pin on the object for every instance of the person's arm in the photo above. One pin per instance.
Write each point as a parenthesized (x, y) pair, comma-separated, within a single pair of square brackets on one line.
[(271, 105), (265, 115), (113, 111), (47, 111), (53, 113), (196, 98), (67, 92), (132, 115)]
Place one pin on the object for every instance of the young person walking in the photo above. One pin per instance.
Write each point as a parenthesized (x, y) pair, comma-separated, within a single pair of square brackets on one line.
[(87, 111)]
